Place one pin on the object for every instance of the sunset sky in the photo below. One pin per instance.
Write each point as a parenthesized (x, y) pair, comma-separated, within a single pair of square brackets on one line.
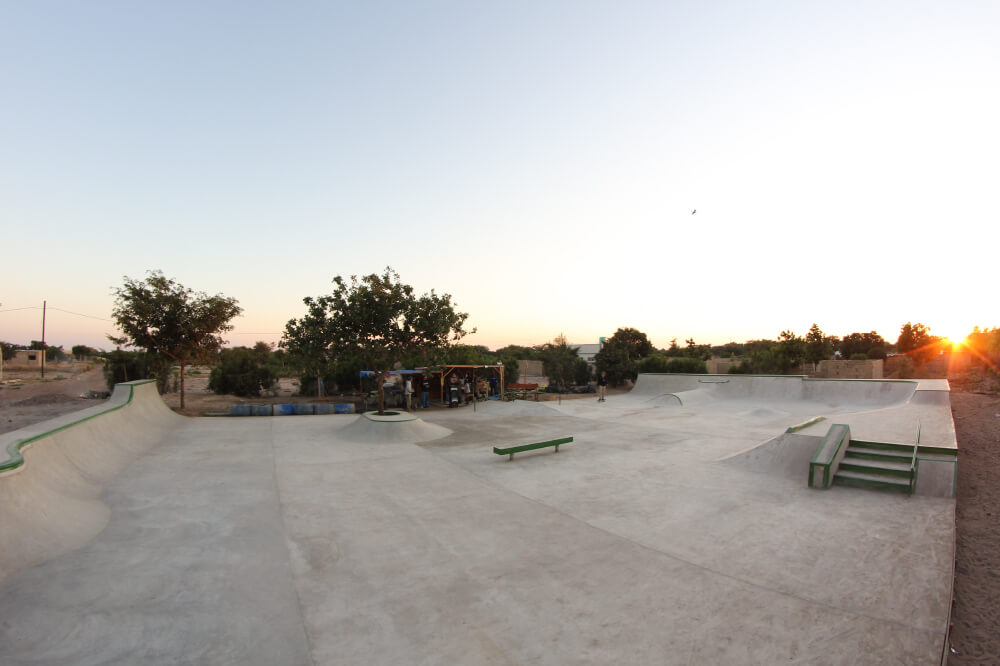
[(540, 161)]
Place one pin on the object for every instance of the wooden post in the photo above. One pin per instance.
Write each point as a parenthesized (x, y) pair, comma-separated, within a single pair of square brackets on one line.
[(44, 305)]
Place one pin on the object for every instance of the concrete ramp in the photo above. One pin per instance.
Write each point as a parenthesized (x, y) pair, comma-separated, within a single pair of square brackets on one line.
[(786, 456), (57, 470), (795, 388)]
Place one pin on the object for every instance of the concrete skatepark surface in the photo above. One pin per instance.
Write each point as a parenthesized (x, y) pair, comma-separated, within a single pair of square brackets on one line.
[(677, 528)]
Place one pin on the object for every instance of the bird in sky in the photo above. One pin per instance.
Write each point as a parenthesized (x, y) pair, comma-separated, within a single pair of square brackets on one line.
[(694, 211)]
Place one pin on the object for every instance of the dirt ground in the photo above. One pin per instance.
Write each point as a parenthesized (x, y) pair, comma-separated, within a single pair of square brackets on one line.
[(975, 634), (975, 638)]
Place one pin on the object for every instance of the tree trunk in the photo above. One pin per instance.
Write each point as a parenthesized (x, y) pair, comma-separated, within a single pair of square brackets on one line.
[(183, 364)]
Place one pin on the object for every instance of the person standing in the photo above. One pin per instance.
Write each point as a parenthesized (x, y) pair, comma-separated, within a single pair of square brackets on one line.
[(602, 386), (425, 392), (408, 390)]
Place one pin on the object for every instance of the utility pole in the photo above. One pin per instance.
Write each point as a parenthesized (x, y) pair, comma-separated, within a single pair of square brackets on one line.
[(44, 304)]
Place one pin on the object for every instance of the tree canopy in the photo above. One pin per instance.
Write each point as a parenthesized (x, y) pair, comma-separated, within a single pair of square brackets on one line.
[(916, 340), (375, 319), (170, 321), (620, 355)]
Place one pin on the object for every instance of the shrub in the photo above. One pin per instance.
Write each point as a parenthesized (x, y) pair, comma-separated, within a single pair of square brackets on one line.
[(128, 366), (240, 373), (687, 365), (859, 357)]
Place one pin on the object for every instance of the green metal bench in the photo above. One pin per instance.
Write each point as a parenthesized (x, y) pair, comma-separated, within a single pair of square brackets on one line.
[(511, 450)]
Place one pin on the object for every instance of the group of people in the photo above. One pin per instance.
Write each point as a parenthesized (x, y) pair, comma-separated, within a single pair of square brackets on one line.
[(467, 386), (425, 392)]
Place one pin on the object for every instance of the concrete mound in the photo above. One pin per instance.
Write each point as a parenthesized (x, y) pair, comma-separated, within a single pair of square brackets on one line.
[(371, 428)]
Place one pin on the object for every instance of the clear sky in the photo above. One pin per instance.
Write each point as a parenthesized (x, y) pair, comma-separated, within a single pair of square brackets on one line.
[(540, 161)]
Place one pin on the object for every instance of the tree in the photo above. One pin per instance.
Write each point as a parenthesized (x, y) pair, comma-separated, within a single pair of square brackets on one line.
[(9, 350), (171, 321), (860, 343), (916, 340), (243, 372), (562, 363), (81, 352), (791, 350), (818, 346), (376, 319), (621, 353)]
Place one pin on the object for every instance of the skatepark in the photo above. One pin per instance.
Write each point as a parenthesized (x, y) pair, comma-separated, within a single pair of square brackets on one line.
[(681, 525)]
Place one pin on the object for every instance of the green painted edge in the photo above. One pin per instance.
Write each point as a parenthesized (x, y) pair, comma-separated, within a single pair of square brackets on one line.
[(528, 447), (805, 424), (15, 459), (843, 433)]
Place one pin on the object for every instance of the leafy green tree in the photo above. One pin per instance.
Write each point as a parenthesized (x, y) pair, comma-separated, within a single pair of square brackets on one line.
[(791, 350), (916, 341), (126, 366), (561, 362), (728, 350), (242, 371), (674, 349), (171, 321), (818, 346), (860, 343), (687, 365), (9, 350), (52, 352), (694, 350), (376, 319), (81, 352), (620, 355)]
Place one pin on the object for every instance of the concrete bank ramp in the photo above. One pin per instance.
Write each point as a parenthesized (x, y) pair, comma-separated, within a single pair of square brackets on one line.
[(57, 471), (786, 456), (698, 389)]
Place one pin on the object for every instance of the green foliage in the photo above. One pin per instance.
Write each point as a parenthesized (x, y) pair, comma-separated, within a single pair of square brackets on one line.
[(769, 357), (241, 371), (562, 364), (818, 346), (860, 343), (859, 357), (9, 349), (876, 353), (81, 352), (376, 320), (620, 355), (53, 353), (694, 350), (916, 341), (687, 365), (517, 351), (129, 366), (728, 350), (171, 321), (655, 362)]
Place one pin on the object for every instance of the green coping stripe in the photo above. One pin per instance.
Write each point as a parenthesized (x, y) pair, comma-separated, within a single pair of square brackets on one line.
[(15, 459)]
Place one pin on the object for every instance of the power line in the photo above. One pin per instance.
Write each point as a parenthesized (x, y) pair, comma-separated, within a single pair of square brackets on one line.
[(78, 314)]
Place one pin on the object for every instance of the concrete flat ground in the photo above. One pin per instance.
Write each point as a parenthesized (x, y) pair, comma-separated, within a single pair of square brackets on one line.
[(677, 528)]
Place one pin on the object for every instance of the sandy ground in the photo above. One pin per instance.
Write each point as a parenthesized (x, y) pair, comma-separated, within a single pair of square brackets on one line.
[(975, 635), (975, 638), (25, 398)]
